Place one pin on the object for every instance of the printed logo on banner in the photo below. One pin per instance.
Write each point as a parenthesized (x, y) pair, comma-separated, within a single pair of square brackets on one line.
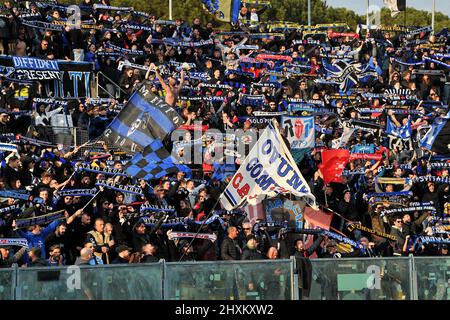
[(399, 144), (299, 131), (284, 210)]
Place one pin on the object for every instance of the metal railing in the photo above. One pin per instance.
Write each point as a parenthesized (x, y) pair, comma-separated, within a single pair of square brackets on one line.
[(101, 77), (224, 280), (402, 278)]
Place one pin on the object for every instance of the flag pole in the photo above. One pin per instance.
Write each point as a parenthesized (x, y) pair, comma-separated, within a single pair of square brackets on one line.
[(433, 13), (200, 227), (367, 15), (170, 9), (309, 14)]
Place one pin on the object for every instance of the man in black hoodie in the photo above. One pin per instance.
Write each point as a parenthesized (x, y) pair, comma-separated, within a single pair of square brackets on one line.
[(250, 252)]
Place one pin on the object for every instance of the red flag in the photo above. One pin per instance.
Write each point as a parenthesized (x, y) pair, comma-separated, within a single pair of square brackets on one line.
[(315, 219), (318, 218), (333, 163), (255, 212)]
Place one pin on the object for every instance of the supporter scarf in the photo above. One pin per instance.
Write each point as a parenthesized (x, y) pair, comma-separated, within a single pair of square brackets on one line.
[(214, 86), (8, 147), (274, 57), (111, 54), (190, 143), (269, 114), (433, 240), (193, 127), (125, 189), (434, 165), (76, 193), (50, 217), (105, 171), (409, 63), (394, 28), (343, 239), (14, 194), (180, 64), (20, 242), (343, 34), (126, 26), (389, 180), (51, 101), (407, 209), (204, 236), (354, 172), (431, 178), (43, 25), (257, 65), (312, 109), (315, 102), (153, 208), (170, 223), (366, 156), (36, 142), (204, 98), (210, 220), (125, 51), (360, 227), (437, 62), (111, 8), (165, 22), (417, 204), (131, 65), (401, 166), (420, 30), (9, 209), (306, 42), (442, 56), (390, 194), (250, 100), (82, 25), (202, 76), (240, 72), (269, 84), (300, 66), (187, 44), (265, 35)]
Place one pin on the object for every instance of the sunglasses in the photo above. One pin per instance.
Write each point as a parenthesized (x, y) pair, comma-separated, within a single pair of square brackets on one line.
[(247, 228)]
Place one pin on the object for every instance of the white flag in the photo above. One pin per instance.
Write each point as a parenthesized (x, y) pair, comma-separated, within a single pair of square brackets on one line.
[(395, 6), (268, 170)]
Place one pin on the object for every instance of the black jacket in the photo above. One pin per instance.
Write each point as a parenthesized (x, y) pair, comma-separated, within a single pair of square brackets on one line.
[(230, 250), (149, 259), (251, 254)]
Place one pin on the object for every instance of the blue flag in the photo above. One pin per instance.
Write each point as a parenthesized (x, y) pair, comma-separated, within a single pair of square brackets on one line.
[(154, 162), (403, 132), (144, 119), (437, 138)]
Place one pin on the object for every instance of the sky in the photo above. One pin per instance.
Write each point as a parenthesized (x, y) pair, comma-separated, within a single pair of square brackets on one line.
[(359, 6)]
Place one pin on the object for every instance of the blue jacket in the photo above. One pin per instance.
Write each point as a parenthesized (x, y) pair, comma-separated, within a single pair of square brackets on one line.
[(38, 240)]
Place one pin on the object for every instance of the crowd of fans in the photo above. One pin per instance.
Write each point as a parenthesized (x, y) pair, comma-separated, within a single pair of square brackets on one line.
[(223, 74)]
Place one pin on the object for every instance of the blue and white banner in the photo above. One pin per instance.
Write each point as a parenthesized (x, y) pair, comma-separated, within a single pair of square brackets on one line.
[(437, 138), (403, 132), (97, 169), (27, 63), (299, 131), (8, 147), (365, 148), (20, 242), (267, 171)]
